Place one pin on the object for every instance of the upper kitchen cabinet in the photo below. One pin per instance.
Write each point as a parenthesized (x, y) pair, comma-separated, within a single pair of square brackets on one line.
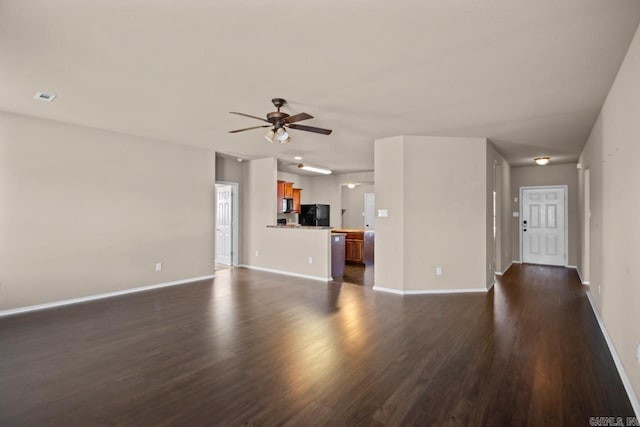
[(280, 195), (288, 197), (288, 190), (296, 200)]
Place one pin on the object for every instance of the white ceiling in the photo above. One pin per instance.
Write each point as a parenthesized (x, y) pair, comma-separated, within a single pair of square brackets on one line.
[(530, 75)]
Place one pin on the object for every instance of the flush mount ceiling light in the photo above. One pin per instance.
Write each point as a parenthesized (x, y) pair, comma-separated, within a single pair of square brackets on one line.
[(351, 185), (297, 158), (542, 160), (45, 96), (314, 169)]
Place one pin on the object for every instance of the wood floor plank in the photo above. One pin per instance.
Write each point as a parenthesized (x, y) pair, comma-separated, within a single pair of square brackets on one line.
[(259, 349)]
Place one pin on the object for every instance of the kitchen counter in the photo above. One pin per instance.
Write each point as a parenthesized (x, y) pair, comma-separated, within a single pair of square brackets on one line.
[(297, 227)]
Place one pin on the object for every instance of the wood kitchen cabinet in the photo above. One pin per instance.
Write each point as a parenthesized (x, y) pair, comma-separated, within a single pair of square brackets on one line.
[(358, 245), (280, 196), (296, 200), (288, 190), (354, 245)]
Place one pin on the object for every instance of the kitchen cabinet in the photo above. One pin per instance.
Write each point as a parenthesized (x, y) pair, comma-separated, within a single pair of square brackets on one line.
[(280, 196), (353, 250), (296, 200), (288, 190), (358, 245)]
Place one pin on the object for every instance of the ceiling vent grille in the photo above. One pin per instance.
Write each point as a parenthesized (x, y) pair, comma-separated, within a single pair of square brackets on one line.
[(45, 96)]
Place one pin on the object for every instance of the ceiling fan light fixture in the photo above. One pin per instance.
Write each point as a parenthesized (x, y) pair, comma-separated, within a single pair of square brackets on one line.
[(286, 140), (270, 136), (282, 135), (314, 169), (542, 160)]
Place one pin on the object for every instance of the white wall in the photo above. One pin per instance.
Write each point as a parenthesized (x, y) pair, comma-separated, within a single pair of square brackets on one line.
[(435, 191), (610, 154), (85, 211)]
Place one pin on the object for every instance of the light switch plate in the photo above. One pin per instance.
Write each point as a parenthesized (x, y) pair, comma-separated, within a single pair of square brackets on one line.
[(516, 214), (383, 213)]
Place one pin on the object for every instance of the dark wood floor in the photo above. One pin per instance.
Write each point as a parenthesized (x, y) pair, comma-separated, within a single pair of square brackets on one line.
[(357, 274), (255, 348)]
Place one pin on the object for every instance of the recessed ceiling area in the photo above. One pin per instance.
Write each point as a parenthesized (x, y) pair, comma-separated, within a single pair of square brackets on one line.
[(529, 75)]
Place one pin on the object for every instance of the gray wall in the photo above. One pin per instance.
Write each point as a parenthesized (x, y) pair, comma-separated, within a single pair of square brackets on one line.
[(85, 211), (285, 250), (435, 191), (353, 205), (611, 155), (564, 174)]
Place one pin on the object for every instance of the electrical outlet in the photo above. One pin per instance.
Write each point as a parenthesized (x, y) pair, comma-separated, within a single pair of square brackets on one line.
[(638, 353), (438, 271), (158, 266), (310, 260), (256, 253)]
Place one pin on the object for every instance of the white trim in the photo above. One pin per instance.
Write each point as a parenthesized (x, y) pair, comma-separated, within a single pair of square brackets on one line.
[(428, 291), (575, 267), (623, 375), (565, 188), (12, 311), (497, 273), (388, 290), (515, 261), (492, 284), (286, 273)]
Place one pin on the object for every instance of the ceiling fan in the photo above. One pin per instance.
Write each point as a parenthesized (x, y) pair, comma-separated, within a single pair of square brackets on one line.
[(279, 122)]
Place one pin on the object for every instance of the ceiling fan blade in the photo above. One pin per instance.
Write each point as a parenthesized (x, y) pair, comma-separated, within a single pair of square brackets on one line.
[(249, 115), (252, 127), (310, 129), (298, 118)]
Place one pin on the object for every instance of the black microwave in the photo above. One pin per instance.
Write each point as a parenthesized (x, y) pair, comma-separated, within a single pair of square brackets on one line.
[(287, 205)]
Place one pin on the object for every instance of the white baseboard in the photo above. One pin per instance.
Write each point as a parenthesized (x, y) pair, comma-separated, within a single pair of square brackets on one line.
[(515, 261), (286, 273), (428, 291), (491, 286), (623, 374), (577, 269), (20, 310), (497, 273)]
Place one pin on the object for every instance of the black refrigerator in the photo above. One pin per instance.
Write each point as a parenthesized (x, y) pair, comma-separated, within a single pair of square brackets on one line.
[(314, 215)]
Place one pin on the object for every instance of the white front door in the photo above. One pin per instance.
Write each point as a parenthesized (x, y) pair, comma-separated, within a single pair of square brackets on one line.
[(369, 210), (223, 224), (542, 225)]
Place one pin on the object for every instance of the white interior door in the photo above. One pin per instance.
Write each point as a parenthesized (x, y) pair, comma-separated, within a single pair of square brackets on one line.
[(543, 225), (223, 224), (369, 210)]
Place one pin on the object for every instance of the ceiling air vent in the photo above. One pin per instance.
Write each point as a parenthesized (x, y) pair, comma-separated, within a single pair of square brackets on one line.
[(45, 96)]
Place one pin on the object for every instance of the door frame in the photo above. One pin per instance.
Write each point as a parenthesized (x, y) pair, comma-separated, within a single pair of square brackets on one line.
[(235, 214), (565, 189)]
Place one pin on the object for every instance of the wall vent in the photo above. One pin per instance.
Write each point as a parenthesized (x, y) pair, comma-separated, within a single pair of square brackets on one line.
[(45, 96)]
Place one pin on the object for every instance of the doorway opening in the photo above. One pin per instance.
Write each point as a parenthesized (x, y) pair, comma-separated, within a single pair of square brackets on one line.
[(543, 225), (226, 239)]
